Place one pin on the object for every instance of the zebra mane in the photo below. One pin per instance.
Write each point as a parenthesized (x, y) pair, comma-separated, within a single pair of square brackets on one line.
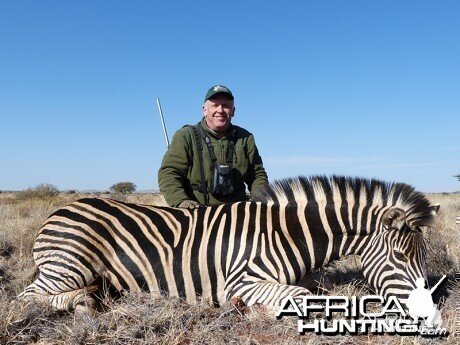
[(353, 190)]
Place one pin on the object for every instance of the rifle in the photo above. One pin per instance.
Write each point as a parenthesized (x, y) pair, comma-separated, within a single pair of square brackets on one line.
[(163, 123)]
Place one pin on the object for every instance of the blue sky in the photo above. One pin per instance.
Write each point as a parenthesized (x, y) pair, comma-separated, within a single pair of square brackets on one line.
[(361, 88)]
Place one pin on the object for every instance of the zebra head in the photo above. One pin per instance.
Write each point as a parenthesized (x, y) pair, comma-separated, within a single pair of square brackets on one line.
[(396, 255)]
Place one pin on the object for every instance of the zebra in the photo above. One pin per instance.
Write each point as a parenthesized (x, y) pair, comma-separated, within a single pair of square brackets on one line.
[(254, 250)]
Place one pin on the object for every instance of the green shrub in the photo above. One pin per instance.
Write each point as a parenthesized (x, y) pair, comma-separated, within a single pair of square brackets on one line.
[(44, 191)]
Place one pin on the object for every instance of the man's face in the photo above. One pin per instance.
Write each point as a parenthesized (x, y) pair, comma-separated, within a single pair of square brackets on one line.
[(218, 112)]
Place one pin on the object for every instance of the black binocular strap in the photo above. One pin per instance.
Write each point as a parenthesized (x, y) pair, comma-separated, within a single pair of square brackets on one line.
[(208, 143), (199, 146), (231, 145), (199, 134)]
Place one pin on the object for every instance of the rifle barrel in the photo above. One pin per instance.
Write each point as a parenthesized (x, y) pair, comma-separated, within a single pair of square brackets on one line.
[(163, 123)]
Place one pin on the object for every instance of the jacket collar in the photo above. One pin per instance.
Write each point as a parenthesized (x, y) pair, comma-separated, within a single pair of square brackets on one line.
[(229, 132)]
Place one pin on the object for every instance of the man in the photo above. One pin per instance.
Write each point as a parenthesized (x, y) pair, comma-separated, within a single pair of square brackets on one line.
[(210, 163)]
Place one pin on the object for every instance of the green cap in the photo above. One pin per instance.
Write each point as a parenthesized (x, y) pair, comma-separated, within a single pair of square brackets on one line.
[(214, 90)]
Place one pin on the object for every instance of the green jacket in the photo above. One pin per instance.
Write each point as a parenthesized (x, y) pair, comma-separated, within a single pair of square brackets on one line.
[(181, 168)]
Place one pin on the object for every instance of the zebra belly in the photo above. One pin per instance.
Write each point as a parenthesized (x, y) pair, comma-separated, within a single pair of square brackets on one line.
[(67, 252)]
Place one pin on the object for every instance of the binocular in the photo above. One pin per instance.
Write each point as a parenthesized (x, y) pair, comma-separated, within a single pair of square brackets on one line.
[(222, 180)]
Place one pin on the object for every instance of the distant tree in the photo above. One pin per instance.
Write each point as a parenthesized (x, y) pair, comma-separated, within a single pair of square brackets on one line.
[(123, 187)]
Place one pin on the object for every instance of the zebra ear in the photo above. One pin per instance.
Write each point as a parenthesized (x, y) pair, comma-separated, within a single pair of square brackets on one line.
[(394, 218), (435, 209)]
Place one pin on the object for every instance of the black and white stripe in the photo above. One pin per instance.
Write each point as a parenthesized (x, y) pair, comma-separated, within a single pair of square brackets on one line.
[(253, 250)]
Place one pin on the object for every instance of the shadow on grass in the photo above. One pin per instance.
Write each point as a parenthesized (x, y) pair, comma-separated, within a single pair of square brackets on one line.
[(324, 280)]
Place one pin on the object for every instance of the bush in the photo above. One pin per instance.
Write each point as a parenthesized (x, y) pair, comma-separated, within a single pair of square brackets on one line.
[(123, 187), (44, 191)]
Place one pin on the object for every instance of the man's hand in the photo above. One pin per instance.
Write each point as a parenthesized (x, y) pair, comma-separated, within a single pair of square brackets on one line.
[(190, 204)]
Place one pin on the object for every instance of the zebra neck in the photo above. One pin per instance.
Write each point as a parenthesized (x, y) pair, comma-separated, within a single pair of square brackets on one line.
[(327, 232)]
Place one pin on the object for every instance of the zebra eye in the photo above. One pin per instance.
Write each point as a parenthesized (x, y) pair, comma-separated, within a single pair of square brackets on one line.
[(400, 256)]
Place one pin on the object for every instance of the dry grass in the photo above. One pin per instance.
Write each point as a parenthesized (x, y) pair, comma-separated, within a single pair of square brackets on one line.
[(139, 319)]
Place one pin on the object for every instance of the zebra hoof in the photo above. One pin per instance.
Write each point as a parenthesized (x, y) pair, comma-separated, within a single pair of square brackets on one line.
[(86, 308), (234, 306), (237, 302), (256, 310)]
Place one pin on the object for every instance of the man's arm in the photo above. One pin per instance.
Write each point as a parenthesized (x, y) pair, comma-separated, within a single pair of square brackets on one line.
[(172, 176), (258, 179)]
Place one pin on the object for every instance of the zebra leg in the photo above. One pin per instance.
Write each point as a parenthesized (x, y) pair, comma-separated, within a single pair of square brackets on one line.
[(59, 295), (266, 293)]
